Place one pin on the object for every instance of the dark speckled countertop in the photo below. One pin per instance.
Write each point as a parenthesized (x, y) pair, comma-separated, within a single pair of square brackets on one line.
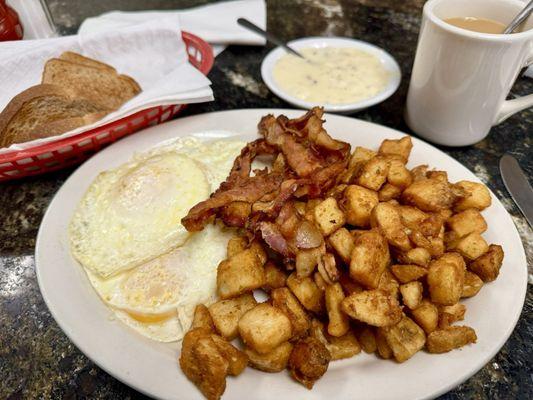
[(36, 358)]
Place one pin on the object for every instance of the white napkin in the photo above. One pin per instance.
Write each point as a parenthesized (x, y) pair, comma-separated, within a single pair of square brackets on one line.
[(215, 23)]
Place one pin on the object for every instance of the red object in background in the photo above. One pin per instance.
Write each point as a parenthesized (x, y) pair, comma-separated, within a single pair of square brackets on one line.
[(10, 27)]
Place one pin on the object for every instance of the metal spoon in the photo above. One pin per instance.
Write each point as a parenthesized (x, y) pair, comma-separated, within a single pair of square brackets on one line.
[(268, 36), (520, 17)]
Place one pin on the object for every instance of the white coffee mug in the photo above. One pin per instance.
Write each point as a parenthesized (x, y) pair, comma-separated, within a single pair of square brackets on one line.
[(461, 78)]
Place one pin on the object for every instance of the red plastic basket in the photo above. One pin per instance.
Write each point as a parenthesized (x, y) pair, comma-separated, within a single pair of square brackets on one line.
[(73, 150)]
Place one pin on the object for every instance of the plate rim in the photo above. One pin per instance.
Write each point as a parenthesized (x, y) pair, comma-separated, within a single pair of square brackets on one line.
[(124, 378)]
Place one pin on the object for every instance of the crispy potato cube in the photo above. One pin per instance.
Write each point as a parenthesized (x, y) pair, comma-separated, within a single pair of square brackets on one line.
[(235, 245), (319, 281), (429, 195), (361, 155), (367, 339), (472, 285), (431, 226), (309, 360), (408, 272), (240, 274), (445, 279), (471, 246), (385, 217), (466, 222), (419, 172), (420, 240), (370, 257), (418, 255), (348, 285), (202, 363), (327, 267), (237, 360), (436, 246), (439, 175), (257, 248), (202, 318), (383, 347), (339, 323), (453, 337), (401, 147), (487, 266), (477, 196), (343, 242), (273, 361), (398, 175), (226, 314), (307, 292), (283, 299), (374, 173), (357, 203), (389, 192), (405, 339), (345, 346), (328, 216), (412, 294), (426, 315), (388, 284), (373, 307), (264, 327), (275, 277), (411, 217), (450, 314), (307, 260)]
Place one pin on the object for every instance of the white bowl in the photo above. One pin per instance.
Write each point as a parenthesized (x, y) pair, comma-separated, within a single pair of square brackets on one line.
[(388, 62)]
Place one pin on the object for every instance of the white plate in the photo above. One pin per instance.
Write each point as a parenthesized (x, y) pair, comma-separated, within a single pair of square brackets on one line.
[(387, 61), (152, 367)]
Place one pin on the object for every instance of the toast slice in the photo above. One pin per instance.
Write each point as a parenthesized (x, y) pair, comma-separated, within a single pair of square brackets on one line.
[(96, 84), (45, 110), (88, 62)]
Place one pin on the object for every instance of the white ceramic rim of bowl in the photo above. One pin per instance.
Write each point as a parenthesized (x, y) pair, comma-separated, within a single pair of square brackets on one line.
[(390, 64)]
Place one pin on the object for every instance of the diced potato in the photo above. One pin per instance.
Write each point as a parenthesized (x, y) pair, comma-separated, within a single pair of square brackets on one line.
[(202, 363), (374, 173), (320, 282), (237, 360), (359, 157), (273, 361), (357, 204), (398, 175), (367, 339), (405, 339), (411, 217), (283, 299), (472, 285), (370, 257), (487, 266), (418, 255), (327, 267), (419, 240), (339, 323), (307, 260), (388, 284), (445, 279), (264, 327), (202, 318), (429, 195), (466, 222), (412, 294), (236, 213), (471, 246), (307, 292), (419, 172), (389, 192), (432, 225), (309, 360), (240, 274), (259, 251), (343, 242), (226, 314), (387, 218), (477, 196), (328, 216), (383, 347), (345, 346), (348, 285), (436, 246), (426, 315), (453, 337), (275, 277), (235, 245), (408, 272), (401, 147), (373, 307), (450, 314)]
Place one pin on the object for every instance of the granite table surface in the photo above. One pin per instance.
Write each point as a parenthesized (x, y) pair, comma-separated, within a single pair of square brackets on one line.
[(37, 360)]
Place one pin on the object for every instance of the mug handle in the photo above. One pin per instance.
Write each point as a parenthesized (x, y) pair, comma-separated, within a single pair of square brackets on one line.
[(510, 107)]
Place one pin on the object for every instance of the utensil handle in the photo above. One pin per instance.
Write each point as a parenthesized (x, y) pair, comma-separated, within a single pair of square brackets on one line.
[(254, 28), (510, 107)]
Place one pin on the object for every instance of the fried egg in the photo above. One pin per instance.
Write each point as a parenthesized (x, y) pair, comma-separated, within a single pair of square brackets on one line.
[(127, 234)]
